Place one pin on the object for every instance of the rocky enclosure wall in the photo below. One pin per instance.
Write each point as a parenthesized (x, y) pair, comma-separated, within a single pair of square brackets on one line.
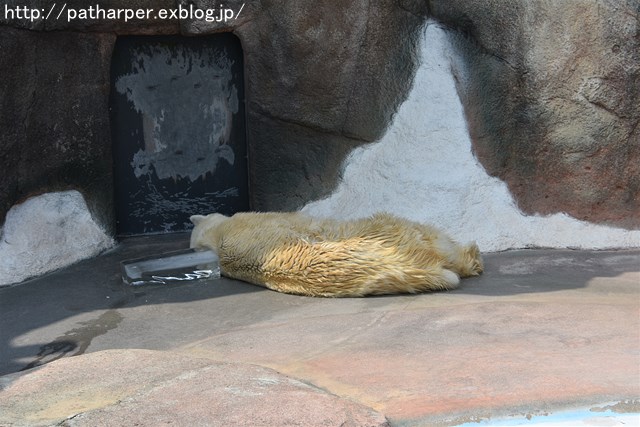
[(549, 89), (424, 169), (321, 78)]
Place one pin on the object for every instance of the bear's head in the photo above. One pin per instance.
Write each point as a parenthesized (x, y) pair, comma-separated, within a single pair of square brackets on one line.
[(204, 233)]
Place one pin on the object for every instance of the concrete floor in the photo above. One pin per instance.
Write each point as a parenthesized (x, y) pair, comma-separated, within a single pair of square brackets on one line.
[(541, 332)]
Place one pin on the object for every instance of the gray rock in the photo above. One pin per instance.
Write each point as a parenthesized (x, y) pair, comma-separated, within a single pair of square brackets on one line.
[(55, 119), (354, 63), (551, 94), (550, 91), (47, 232), (321, 79)]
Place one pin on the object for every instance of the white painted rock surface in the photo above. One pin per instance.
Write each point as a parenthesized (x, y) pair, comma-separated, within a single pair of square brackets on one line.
[(46, 233), (423, 169)]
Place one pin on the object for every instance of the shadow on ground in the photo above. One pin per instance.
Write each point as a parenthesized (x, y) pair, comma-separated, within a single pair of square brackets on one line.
[(91, 286)]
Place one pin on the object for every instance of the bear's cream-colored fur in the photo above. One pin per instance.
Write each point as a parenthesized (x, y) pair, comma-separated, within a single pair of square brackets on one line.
[(297, 254)]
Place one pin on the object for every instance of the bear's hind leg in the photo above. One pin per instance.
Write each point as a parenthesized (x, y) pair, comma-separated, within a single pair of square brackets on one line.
[(411, 280)]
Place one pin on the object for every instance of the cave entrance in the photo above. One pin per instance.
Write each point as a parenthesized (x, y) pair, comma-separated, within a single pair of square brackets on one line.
[(178, 129)]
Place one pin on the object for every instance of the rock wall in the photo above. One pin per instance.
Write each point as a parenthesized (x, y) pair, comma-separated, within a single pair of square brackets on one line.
[(549, 90), (54, 117), (551, 94), (321, 78), (424, 169)]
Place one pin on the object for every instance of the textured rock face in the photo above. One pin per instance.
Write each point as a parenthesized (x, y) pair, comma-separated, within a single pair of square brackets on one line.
[(320, 80), (54, 118), (550, 91), (551, 96), (48, 232), (424, 169)]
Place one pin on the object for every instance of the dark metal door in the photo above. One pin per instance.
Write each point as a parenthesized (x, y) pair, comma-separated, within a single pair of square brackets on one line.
[(178, 129)]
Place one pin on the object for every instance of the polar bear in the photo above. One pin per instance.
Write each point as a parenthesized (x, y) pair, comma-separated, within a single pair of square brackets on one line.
[(297, 254)]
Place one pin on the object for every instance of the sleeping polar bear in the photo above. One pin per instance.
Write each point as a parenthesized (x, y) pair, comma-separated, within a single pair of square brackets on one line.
[(297, 254)]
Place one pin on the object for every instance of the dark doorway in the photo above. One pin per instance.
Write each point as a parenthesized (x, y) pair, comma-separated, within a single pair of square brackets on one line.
[(178, 129)]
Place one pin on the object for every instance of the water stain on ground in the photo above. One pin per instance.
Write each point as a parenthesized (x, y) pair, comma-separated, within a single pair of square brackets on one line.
[(76, 341)]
